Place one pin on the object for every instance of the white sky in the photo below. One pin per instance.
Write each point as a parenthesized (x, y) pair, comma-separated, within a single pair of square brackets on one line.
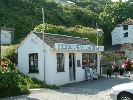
[(118, 0)]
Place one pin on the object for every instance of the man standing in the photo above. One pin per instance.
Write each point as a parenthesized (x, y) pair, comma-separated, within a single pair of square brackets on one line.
[(128, 66)]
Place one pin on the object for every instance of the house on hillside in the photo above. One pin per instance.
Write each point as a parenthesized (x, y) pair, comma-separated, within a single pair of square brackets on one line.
[(122, 38), (7, 35), (57, 59), (123, 33)]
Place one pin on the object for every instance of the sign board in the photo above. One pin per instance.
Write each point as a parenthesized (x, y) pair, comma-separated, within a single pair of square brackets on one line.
[(88, 73), (6, 35), (62, 46), (94, 73), (78, 63)]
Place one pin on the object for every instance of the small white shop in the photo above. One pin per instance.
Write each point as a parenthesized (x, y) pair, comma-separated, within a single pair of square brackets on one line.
[(57, 59)]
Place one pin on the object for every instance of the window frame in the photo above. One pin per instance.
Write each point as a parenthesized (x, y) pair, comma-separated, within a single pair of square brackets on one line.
[(60, 62), (125, 27), (89, 60), (126, 34), (33, 63)]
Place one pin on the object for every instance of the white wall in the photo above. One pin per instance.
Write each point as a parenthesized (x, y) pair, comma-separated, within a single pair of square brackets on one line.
[(24, 50), (118, 35), (61, 78), (51, 75)]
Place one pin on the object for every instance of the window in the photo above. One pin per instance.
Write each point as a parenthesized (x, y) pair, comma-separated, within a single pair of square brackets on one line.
[(33, 63), (126, 34), (125, 27), (89, 60), (60, 62)]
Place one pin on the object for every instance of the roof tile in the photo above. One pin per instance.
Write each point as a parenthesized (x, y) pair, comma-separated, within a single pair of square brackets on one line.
[(51, 39)]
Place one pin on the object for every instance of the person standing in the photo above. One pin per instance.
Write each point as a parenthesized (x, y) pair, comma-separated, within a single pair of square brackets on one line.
[(116, 68), (109, 68), (121, 67), (128, 66)]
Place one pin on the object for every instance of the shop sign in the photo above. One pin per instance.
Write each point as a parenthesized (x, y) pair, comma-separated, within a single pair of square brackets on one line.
[(62, 46)]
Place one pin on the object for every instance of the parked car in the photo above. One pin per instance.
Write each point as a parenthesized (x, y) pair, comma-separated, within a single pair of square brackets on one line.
[(122, 92)]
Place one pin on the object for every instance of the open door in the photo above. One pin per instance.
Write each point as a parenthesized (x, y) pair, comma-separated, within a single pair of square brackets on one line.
[(71, 66)]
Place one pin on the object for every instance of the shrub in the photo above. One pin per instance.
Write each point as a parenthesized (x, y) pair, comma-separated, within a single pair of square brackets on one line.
[(13, 83), (10, 83), (113, 56), (10, 53), (35, 83)]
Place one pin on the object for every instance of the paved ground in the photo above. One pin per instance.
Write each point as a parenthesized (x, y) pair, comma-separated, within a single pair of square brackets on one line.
[(85, 90)]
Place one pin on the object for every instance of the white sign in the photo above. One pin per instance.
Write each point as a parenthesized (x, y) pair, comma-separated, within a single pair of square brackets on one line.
[(5, 37), (62, 46)]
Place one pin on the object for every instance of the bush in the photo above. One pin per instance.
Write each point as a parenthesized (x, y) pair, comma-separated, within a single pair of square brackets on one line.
[(14, 91), (10, 53), (113, 56), (10, 84), (35, 83), (13, 83)]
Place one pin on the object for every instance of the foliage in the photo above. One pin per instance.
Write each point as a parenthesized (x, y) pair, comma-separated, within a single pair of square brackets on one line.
[(77, 31), (10, 84), (106, 56), (10, 53), (34, 83), (14, 83), (30, 15), (25, 15)]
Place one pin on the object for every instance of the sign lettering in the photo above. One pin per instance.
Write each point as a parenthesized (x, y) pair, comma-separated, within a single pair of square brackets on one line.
[(62, 46)]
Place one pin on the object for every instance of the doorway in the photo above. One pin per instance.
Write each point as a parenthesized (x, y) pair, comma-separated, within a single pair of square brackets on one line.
[(71, 66)]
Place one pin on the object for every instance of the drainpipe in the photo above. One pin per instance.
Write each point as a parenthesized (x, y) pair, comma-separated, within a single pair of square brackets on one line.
[(44, 61), (43, 41)]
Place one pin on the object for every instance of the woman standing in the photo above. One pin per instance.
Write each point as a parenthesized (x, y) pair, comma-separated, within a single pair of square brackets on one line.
[(116, 68), (128, 66)]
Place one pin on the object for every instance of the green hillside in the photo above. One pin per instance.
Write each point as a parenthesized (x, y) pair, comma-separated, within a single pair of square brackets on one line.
[(25, 15)]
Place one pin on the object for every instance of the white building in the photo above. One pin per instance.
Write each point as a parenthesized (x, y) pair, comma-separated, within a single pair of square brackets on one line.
[(7, 35), (122, 38), (123, 33), (59, 59)]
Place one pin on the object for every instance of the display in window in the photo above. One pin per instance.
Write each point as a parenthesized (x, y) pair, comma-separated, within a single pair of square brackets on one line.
[(89, 60)]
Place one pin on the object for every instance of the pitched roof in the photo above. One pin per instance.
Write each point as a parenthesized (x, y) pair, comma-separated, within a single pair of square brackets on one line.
[(51, 39), (127, 22)]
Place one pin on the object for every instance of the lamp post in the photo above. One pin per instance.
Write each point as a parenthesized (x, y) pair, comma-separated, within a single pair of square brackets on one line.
[(99, 33), (43, 22)]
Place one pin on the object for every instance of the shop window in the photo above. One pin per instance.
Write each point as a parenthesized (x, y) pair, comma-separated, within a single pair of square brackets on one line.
[(33, 63), (89, 60), (126, 34), (125, 27), (60, 62)]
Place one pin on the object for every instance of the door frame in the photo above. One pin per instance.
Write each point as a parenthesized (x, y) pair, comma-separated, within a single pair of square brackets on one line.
[(72, 67)]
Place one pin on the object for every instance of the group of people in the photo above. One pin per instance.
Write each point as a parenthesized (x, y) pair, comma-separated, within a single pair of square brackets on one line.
[(120, 67)]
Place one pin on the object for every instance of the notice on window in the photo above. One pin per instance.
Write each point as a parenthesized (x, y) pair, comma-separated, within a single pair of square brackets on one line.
[(31, 62), (78, 63)]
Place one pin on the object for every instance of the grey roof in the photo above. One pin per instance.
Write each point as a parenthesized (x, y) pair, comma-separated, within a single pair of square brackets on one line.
[(51, 39), (118, 47)]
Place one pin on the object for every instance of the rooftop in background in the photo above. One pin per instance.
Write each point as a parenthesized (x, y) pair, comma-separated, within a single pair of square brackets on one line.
[(117, 47), (127, 22)]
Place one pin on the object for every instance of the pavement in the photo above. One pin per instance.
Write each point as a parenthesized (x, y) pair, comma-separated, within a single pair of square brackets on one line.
[(84, 90)]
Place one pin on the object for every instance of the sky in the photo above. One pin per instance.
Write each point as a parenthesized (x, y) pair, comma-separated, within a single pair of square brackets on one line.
[(118, 0)]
